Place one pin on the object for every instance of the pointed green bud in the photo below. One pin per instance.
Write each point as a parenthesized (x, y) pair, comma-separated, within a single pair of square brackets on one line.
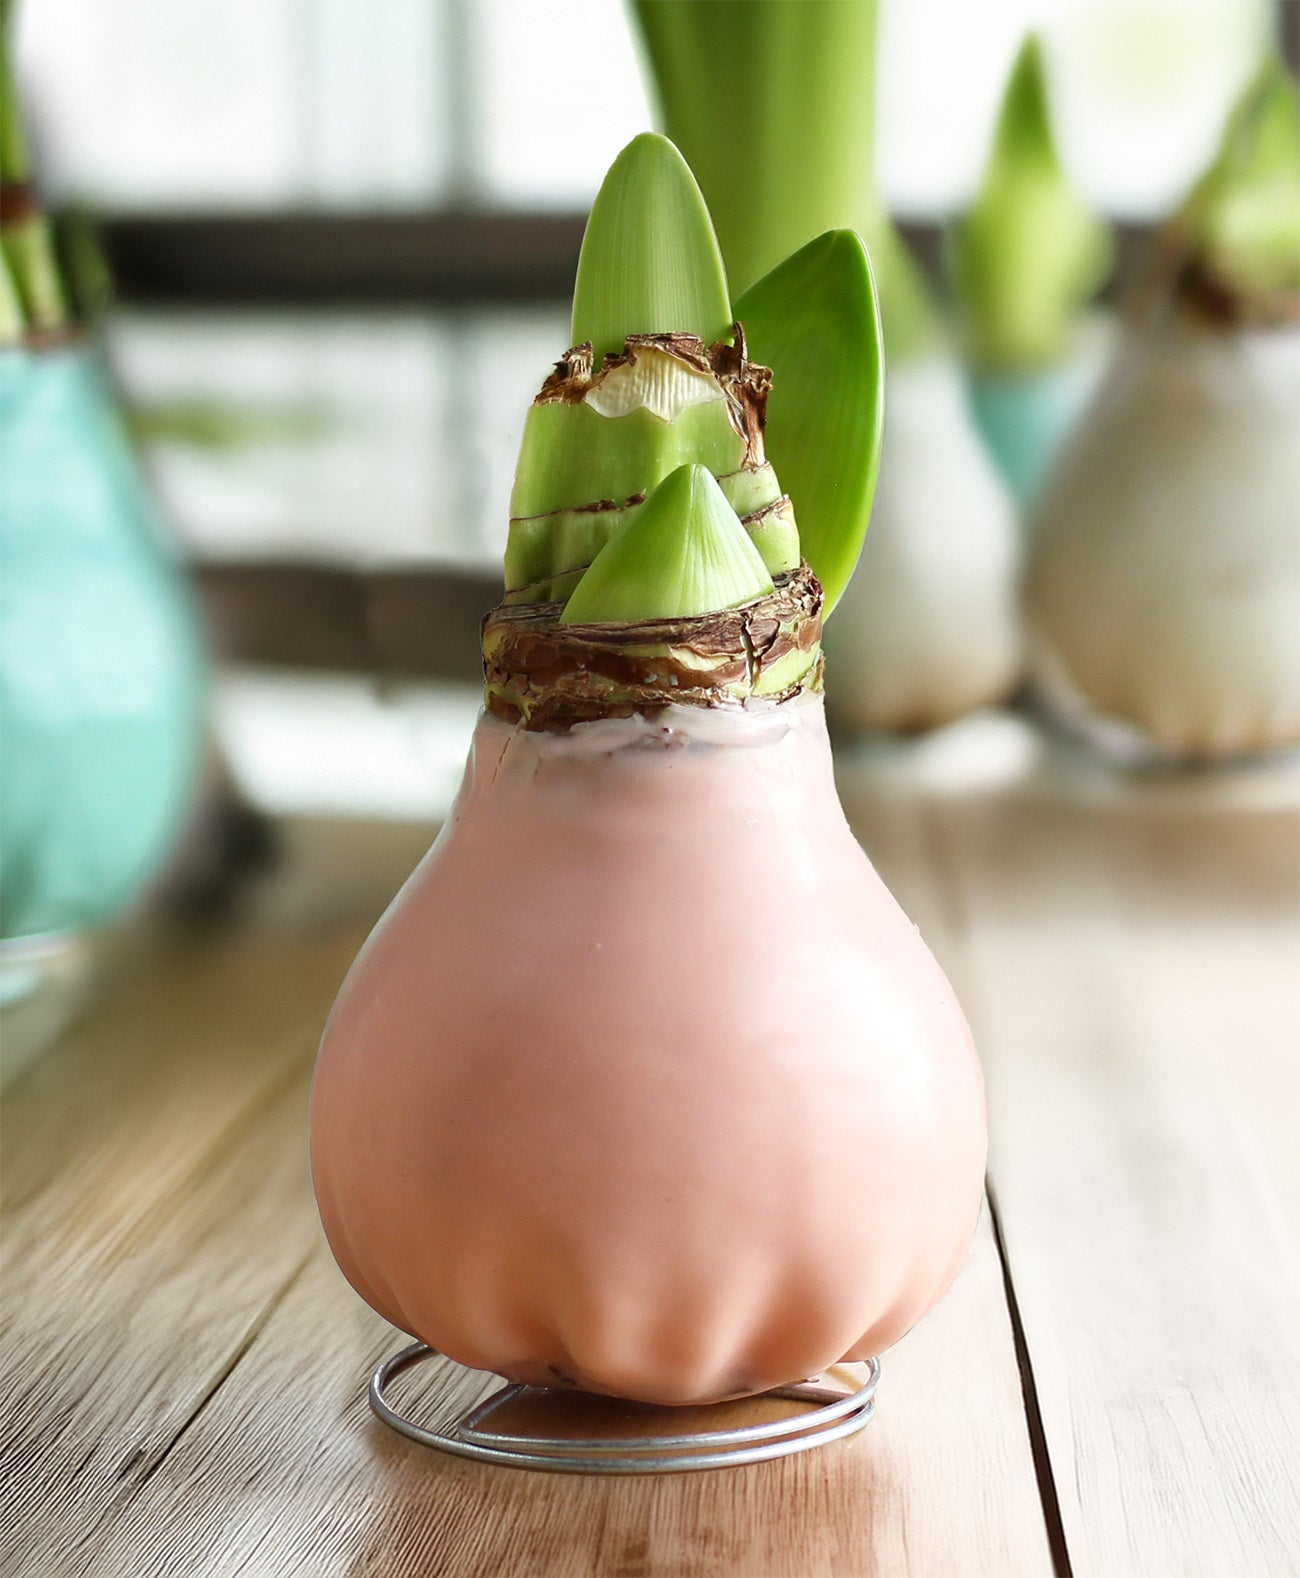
[(547, 555), (650, 262), (596, 443), (684, 553), (1024, 130), (815, 321), (1244, 213), (1030, 253)]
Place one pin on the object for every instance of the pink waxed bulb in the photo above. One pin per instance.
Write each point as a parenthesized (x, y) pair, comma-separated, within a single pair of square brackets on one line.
[(644, 1083)]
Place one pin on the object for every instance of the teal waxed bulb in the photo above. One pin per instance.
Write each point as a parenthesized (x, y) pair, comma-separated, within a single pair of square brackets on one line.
[(102, 666), (684, 553), (103, 670)]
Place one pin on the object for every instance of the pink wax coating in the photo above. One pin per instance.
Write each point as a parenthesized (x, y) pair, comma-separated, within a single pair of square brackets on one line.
[(644, 1083)]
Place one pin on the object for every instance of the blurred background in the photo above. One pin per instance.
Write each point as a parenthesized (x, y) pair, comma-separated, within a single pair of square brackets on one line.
[(342, 239), (279, 280)]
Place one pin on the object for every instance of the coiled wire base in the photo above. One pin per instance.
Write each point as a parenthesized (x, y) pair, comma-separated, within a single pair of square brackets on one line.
[(835, 1415)]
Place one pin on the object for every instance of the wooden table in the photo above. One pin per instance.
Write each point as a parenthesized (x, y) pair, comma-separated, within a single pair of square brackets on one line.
[(1112, 1387)]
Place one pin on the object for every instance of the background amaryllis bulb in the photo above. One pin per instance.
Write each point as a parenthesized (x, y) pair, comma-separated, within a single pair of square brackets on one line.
[(929, 626), (1163, 587)]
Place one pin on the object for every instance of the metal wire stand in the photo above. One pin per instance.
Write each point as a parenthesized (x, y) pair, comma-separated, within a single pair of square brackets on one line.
[(837, 1414)]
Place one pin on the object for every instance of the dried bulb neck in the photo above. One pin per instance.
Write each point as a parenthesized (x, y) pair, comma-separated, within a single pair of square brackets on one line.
[(542, 674)]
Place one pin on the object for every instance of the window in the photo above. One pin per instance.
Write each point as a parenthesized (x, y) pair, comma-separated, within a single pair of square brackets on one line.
[(256, 104)]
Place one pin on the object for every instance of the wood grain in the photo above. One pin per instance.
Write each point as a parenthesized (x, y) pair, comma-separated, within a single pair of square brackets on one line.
[(1132, 973), (144, 1247), (939, 1483), (185, 1367)]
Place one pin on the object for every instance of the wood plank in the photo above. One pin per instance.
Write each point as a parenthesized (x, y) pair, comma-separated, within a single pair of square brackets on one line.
[(939, 1484), (143, 1160), (1131, 971), (186, 1368)]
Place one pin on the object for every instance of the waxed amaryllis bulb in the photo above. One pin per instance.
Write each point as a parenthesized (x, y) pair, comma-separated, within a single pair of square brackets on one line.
[(644, 1084)]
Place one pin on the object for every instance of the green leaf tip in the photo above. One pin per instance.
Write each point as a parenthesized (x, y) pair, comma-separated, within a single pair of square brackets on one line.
[(1244, 213), (650, 262), (1024, 125), (1262, 134), (682, 554), (815, 321), (1030, 253)]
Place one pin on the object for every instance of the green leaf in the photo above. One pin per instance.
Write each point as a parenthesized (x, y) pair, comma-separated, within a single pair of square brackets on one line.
[(772, 102), (13, 320), (29, 254), (1024, 128), (1244, 213), (571, 455), (650, 262), (815, 321), (683, 553), (14, 164), (1030, 252)]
